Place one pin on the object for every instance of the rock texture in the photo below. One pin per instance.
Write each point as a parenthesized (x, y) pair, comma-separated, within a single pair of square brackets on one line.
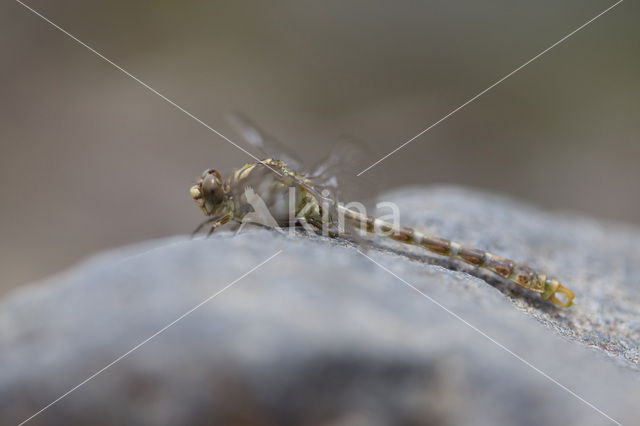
[(322, 335)]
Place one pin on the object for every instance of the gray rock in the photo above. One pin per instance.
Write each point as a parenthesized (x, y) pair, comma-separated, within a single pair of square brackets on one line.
[(321, 335)]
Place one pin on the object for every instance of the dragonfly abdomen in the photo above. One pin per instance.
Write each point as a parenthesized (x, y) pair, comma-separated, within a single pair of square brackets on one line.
[(518, 273)]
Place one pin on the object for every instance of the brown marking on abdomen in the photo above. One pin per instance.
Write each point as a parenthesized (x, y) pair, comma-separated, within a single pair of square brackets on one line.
[(499, 265), (524, 276), (383, 226), (404, 234), (471, 255), (435, 244)]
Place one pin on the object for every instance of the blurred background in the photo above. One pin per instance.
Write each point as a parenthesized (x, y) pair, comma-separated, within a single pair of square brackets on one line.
[(89, 159)]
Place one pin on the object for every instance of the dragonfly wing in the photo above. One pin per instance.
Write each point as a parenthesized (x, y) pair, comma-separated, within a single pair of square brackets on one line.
[(337, 170), (264, 143)]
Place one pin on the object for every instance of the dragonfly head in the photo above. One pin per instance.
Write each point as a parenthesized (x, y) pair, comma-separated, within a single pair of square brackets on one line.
[(209, 193)]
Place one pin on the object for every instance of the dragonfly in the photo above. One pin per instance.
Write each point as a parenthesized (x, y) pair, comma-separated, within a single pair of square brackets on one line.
[(294, 198)]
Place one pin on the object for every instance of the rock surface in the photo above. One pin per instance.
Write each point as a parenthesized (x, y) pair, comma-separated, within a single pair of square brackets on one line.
[(322, 335)]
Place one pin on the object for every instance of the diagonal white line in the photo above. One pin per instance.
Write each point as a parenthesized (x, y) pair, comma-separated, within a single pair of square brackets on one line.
[(147, 339), (490, 87), (145, 85), (476, 329)]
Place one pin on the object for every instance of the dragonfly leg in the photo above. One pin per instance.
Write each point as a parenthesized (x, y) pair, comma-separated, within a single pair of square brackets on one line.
[(199, 227), (306, 208), (332, 230), (218, 223), (308, 224)]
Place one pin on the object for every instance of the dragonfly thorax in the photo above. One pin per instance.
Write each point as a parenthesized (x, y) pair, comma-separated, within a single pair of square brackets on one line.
[(270, 184)]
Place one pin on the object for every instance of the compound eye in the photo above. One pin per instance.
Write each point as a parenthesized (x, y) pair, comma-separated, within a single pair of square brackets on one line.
[(211, 172), (212, 188)]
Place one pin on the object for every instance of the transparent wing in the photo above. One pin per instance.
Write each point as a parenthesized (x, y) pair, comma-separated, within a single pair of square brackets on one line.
[(265, 144), (337, 170)]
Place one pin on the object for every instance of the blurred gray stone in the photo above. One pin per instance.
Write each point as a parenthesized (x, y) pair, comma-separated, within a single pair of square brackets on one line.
[(321, 335)]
